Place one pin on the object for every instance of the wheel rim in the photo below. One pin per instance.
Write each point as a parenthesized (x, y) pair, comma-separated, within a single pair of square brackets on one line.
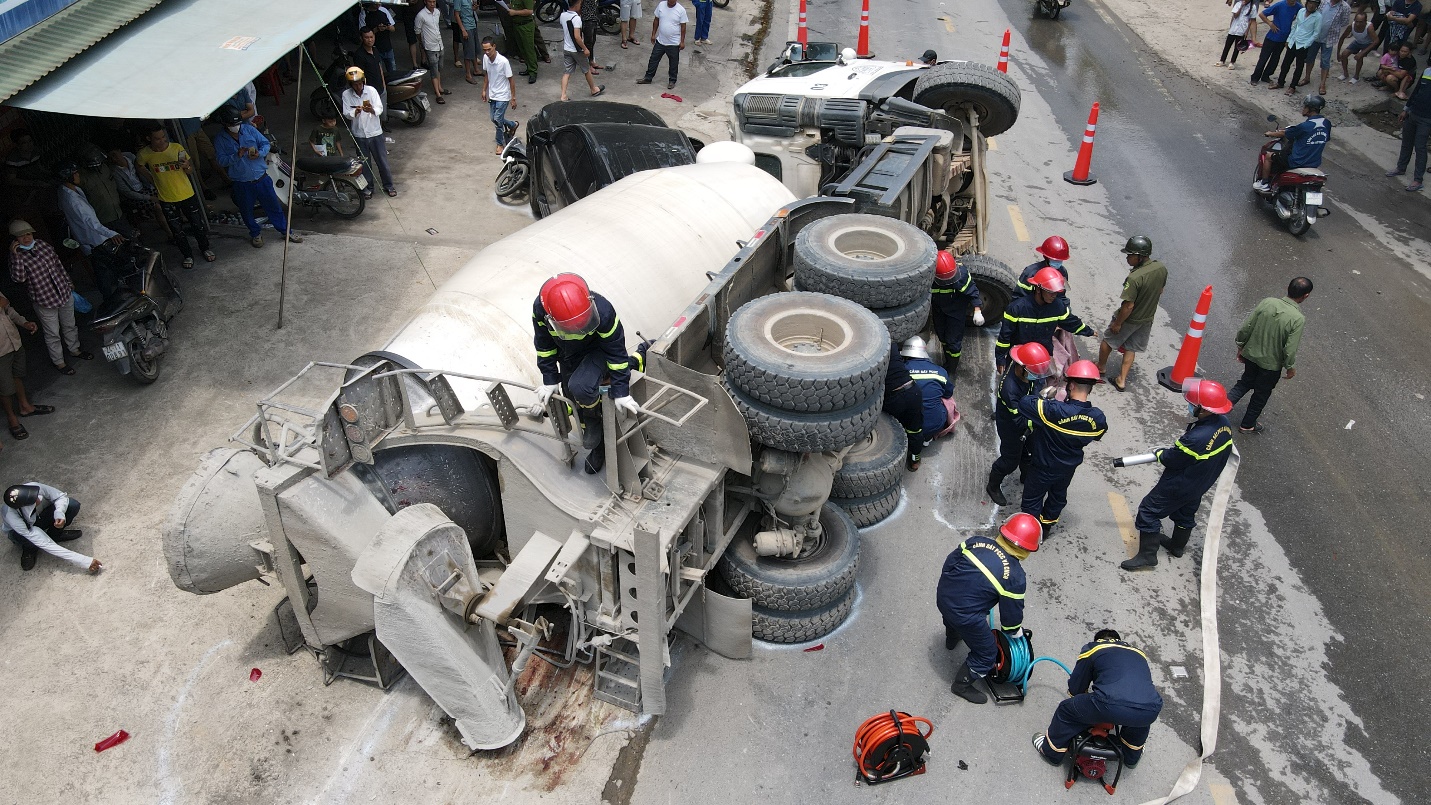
[(872, 445), (143, 366), (346, 198), (865, 244), (803, 332)]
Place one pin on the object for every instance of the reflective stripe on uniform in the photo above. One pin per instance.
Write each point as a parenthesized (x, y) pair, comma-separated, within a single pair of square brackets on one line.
[(546, 353), (926, 376), (989, 574), (1089, 653), (615, 322), (1066, 430), (1021, 320), (1202, 456), (616, 367)]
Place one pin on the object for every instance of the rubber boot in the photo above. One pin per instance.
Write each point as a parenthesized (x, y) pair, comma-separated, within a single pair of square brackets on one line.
[(591, 432), (964, 686), (1178, 542), (951, 366), (1147, 557), (993, 491), (911, 462)]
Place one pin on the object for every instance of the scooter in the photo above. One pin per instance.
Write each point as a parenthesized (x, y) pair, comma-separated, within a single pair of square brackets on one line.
[(337, 183), (1052, 8), (134, 322), (1296, 195), (516, 167), (609, 14), (406, 99)]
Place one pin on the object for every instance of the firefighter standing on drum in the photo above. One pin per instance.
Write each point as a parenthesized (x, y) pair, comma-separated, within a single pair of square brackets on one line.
[(1060, 431)]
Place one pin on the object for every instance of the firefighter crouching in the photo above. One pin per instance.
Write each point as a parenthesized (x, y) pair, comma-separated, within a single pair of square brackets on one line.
[(1111, 683)]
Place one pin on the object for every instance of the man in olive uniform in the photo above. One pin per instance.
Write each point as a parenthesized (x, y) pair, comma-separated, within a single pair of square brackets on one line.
[(1133, 320)]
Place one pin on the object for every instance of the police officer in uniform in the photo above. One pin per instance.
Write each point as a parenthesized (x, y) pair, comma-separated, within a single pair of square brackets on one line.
[(934, 386), (1035, 317), (1111, 683), (978, 574), (580, 343), (1024, 376), (1190, 468), (1060, 430), (953, 294), (903, 401), (1053, 251)]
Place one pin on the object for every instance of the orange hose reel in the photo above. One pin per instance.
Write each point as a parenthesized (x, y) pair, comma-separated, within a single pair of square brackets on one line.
[(891, 746)]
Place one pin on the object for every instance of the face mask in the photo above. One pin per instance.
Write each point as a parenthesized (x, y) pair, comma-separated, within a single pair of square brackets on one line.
[(28, 246), (1056, 263), (233, 129), (1192, 411)]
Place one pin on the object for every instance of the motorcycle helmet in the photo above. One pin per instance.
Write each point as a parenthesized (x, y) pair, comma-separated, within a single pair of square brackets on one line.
[(66, 170), (90, 155), (1139, 244), (355, 74), (229, 116), (1314, 102), (22, 495)]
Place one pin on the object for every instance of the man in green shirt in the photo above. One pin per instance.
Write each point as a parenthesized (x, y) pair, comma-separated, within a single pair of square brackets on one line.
[(524, 25), (1266, 345), (1133, 320)]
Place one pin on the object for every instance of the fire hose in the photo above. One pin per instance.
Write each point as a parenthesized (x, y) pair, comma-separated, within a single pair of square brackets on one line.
[(890, 746)]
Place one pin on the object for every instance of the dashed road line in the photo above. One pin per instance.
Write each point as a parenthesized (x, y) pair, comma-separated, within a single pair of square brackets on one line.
[(1017, 218), (1124, 518)]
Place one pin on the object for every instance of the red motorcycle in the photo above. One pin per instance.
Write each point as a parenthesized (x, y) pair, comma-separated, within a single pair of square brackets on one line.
[(1296, 194)]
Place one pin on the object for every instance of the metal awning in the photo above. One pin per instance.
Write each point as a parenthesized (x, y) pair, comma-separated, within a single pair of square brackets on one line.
[(48, 42), (182, 59)]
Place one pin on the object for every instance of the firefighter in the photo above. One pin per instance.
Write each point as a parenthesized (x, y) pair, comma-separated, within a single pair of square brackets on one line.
[(1053, 251), (1110, 684), (978, 574), (1190, 468), (1024, 376), (1059, 432), (934, 384), (581, 346), (1035, 317), (954, 293), (902, 401)]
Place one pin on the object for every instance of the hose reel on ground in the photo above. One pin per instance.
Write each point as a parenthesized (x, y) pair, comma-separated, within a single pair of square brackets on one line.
[(891, 746), (1013, 664)]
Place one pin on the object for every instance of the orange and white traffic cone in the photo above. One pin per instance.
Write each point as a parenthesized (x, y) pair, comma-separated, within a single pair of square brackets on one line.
[(1003, 53), (802, 35), (862, 48), (1172, 377), (1080, 174)]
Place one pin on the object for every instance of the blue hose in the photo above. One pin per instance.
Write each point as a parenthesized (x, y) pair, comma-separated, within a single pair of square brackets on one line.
[(1020, 666)]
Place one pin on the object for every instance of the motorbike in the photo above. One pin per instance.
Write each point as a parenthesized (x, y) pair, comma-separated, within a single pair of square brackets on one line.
[(334, 182), (134, 322), (609, 13), (1052, 8), (516, 167), (1296, 194)]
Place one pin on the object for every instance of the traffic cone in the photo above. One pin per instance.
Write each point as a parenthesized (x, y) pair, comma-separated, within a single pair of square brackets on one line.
[(1003, 52), (1172, 377), (801, 34), (862, 49), (1080, 174)]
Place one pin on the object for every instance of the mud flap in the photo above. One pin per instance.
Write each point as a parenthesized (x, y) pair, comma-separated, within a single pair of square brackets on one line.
[(413, 563), (720, 623)]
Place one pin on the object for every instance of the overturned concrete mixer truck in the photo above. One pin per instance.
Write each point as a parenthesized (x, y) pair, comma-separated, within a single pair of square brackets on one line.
[(415, 507)]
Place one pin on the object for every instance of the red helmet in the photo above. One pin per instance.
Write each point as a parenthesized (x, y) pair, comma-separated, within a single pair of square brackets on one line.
[(1023, 530), (1207, 394), (568, 304), (945, 266), (1054, 248), (1033, 357), (1050, 279), (1085, 371)]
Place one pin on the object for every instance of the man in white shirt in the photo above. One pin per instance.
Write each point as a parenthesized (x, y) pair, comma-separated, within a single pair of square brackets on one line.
[(35, 516), (668, 38), (429, 38), (499, 90), (575, 55), (363, 110)]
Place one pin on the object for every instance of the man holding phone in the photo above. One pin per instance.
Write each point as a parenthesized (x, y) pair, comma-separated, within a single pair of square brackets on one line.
[(243, 153)]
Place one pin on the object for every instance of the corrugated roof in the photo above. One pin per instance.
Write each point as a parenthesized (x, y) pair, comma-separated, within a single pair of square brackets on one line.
[(35, 53)]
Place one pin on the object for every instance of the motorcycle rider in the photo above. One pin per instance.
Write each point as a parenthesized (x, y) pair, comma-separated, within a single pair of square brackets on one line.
[(1305, 142)]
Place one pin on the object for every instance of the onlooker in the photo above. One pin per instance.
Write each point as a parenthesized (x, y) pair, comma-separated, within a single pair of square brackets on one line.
[(12, 370), (364, 109), (169, 166), (524, 24), (96, 179), (668, 38), (23, 167), (591, 32), (244, 101), (1266, 345), (1363, 41), (1305, 27), (574, 51), (325, 140), (243, 152), (366, 58), (464, 24), (929, 58), (34, 264), (1336, 17), (429, 35), (35, 518), (1278, 17), (1243, 12), (381, 22), (1401, 18), (136, 196), (499, 90), (1415, 131), (97, 241), (1397, 70), (1133, 320), (704, 9), (409, 19), (630, 12)]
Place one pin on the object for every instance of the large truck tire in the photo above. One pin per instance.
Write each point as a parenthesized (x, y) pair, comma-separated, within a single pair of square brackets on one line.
[(875, 261), (871, 509), (775, 626), (956, 86), (875, 464), (794, 585), (807, 433), (907, 321), (997, 284), (805, 352)]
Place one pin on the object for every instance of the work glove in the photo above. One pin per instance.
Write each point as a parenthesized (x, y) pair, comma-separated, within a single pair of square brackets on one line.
[(627, 406), (1015, 634), (978, 317), (545, 392)]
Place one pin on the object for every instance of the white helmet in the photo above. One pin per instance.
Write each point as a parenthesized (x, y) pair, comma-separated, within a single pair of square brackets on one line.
[(915, 348)]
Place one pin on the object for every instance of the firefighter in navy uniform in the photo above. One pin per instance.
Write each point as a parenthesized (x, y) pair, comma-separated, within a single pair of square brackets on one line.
[(953, 294), (903, 401), (1053, 251), (1035, 317), (1111, 683), (581, 345), (934, 386), (1060, 430), (1190, 468), (978, 574), (1023, 376)]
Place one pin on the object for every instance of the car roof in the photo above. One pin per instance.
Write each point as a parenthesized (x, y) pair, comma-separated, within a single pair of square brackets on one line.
[(621, 149), (564, 113)]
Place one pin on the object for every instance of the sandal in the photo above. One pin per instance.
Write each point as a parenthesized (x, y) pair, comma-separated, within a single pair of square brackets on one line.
[(210, 257), (601, 90), (441, 99), (41, 410), (65, 369), (623, 44), (188, 262), (392, 192), (1114, 383), (19, 432)]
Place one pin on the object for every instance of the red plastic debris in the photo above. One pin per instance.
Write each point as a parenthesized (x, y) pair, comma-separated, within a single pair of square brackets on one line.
[(675, 98), (112, 741), (819, 647), (254, 675)]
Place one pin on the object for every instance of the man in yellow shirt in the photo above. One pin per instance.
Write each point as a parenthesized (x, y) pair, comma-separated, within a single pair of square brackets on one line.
[(169, 166)]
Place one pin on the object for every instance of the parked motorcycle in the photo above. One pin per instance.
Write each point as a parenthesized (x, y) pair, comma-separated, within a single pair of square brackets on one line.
[(516, 167), (609, 13), (1296, 195), (1052, 8), (134, 322), (334, 182)]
